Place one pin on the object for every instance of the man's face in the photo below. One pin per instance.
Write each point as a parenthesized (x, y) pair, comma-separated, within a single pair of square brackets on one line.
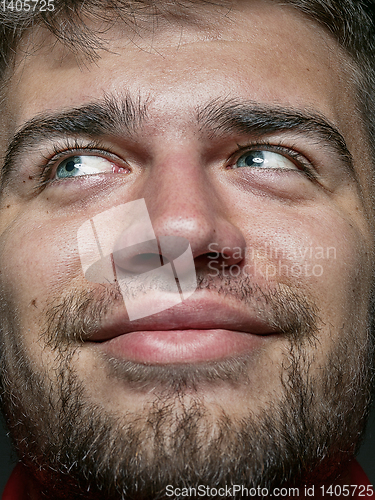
[(228, 134)]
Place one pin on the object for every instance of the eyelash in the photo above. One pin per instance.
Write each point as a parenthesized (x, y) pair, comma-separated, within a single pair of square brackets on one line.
[(76, 147), (300, 160), (69, 148)]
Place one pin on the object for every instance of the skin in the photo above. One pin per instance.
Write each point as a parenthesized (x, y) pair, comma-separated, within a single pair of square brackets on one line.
[(174, 164)]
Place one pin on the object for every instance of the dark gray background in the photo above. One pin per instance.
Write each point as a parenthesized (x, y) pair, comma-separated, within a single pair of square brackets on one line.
[(366, 456)]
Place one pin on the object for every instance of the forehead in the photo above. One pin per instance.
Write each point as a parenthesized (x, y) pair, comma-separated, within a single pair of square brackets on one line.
[(261, 50)]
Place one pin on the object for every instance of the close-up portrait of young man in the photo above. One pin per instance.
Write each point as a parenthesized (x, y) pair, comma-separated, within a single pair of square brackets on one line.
[(187, 247)]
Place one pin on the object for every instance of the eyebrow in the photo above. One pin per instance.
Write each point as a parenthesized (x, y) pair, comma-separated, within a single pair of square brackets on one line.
[(105, 117), (222, 117), (115, 115)]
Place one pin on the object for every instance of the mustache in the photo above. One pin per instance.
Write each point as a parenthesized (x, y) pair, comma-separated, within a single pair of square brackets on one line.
[(73, 317)]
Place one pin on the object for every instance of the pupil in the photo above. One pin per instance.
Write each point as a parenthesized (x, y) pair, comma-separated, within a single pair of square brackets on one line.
[(70, 166), (254, 158), (251, 159)]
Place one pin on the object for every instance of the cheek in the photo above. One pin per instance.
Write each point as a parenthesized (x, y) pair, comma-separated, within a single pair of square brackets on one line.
[(320, 253), (38, 261)]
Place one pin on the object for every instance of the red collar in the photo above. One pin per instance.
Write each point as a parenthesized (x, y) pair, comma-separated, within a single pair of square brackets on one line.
[(16, 488), (358, 477)]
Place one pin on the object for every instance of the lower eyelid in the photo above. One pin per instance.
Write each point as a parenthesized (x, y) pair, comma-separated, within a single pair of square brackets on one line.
[(98, 164)]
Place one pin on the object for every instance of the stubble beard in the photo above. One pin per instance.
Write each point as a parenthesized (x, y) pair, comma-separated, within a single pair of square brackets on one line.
[(77, 449)]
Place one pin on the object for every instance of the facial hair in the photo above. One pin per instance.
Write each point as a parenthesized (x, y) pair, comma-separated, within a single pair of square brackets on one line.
[(80, 450)]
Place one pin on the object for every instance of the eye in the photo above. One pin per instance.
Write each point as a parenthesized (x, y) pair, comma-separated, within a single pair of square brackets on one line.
[(75, 166), (264, 159)]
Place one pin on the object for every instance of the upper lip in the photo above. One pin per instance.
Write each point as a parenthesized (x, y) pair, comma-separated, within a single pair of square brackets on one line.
[(205, 313)]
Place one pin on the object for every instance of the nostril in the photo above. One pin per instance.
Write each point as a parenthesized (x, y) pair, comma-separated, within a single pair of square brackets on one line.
[(145, 262), (221, 259), (151, 254), (141, 263), (212, 255), (203, 261)]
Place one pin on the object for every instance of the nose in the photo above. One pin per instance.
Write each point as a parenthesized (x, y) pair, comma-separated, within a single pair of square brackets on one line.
[(185, 208)]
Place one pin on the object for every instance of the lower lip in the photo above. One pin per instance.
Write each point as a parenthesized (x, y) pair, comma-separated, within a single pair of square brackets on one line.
[(181, 346)]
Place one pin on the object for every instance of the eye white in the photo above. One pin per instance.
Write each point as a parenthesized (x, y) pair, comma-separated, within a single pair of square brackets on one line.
[(264, 159), (79, 165)]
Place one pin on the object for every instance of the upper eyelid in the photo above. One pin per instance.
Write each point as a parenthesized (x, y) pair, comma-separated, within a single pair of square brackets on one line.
[(93, 147), (96, 147), (79, 149), (59, 152), (60, 157), (273, 148)]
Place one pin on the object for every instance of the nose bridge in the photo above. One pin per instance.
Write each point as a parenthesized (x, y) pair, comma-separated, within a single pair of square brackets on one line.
[(181, 198)]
